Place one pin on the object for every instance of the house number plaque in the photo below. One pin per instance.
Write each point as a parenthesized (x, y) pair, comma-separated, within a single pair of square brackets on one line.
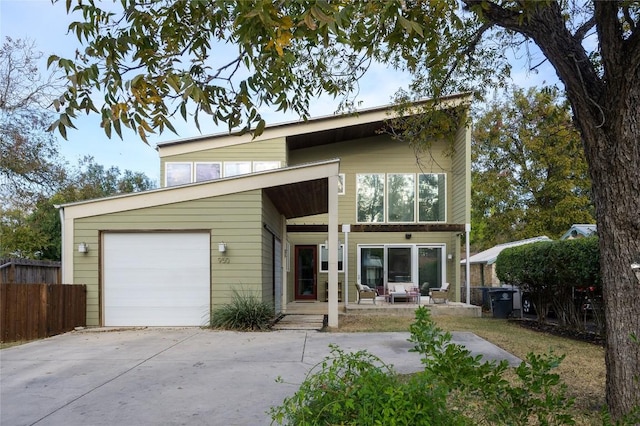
[(223, 260)]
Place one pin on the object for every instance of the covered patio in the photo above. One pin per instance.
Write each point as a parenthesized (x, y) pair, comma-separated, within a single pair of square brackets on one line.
[(383, 307)]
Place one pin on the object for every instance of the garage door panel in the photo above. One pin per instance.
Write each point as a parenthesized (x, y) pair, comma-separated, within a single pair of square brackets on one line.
[(156, 279)]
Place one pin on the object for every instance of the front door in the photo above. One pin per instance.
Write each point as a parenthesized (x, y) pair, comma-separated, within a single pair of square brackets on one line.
[(306, 285)]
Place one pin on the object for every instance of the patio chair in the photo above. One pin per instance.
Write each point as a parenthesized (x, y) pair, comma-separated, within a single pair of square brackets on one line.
[(365, 292), (441, 293)]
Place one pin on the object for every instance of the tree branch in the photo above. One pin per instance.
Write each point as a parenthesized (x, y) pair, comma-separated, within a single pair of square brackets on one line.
[(581, 32)]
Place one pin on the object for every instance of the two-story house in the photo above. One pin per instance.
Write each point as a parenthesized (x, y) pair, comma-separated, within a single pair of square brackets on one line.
[(266, 216)]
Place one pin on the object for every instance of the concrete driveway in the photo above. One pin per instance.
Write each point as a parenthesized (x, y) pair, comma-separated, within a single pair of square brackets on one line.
[(178, 376)]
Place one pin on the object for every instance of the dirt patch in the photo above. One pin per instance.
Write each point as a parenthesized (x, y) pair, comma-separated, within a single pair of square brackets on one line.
[(556, 330)]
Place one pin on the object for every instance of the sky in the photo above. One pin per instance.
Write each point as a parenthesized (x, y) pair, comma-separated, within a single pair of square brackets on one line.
[(47, 25)]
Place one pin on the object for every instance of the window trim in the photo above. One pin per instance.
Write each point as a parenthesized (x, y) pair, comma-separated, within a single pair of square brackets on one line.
[(254, 165), (195, 170), (416, 198), (388, 203), (248, 162), (384, 196), (322, 248), (168, 164), (415, 262), (417, 203)]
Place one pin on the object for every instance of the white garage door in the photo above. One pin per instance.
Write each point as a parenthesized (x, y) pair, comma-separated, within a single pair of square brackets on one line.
[(156, 279)]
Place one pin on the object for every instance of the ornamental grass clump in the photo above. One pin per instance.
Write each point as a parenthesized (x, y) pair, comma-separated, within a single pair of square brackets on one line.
[(246, 312)]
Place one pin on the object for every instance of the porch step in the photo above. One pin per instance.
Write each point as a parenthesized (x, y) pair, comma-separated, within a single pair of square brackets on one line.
[(300, 322)]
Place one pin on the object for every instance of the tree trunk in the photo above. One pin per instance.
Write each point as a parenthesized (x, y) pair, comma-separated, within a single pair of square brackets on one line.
[(607, 113), (615, 171), (612, 147)]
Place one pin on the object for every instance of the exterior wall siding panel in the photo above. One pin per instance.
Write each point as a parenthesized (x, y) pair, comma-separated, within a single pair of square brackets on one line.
[(234, 219)]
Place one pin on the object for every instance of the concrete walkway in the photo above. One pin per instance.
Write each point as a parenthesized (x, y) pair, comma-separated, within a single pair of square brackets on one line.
[(178, 376)]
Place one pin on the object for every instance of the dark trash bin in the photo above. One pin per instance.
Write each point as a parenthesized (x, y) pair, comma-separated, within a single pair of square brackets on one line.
[(502, 302)]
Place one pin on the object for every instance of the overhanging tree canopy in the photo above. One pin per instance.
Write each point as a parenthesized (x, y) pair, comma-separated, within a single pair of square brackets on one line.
[(153, 59)]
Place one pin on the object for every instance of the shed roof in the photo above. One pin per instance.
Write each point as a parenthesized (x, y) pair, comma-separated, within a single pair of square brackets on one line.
[(580, 229), (489, 256), (296, 191), (312, 132)]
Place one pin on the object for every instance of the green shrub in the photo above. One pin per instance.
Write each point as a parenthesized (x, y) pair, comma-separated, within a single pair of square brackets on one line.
[(455, 388), (550, 271), (245, 312)]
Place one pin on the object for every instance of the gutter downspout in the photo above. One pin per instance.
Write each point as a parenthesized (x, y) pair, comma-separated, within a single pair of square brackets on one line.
[(62, 259)]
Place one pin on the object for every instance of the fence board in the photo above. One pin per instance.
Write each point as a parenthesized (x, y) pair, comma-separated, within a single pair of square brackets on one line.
[(33, 311), (20, 271)]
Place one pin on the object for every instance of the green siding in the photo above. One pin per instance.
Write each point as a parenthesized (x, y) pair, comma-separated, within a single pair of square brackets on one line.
[(377, 154), (265, 150), (461, 187), (450, 240), (235, 219), (272, 219)]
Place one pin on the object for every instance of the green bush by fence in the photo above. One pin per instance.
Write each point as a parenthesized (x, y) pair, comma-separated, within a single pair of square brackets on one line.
[(552, 272)]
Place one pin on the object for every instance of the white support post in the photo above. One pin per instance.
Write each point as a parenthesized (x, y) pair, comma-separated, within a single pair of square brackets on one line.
[(332, 239), (467, 230), (346, 228)]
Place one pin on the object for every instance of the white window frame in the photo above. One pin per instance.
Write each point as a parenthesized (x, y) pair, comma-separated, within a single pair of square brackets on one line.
[(444, 199), (387, 195), (384, 196), (415, 263), (322, 249), (168, 172), (238, 164), (341, 184), (261, 166), (206, 163)]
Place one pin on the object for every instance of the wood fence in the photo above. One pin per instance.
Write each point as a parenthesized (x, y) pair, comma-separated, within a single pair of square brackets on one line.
[(35, 311), (22, 271)]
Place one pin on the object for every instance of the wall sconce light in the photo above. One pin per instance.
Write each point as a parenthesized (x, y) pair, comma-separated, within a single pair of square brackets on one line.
[(222, 247), (83, 248), (449, 256), (407, 236)]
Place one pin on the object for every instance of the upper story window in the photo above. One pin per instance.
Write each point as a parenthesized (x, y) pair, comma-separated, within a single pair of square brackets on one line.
[(235, 168), (208, 171), (177, 173), (370, 197), (402, 197), (432, 197), (392, 197), (183, 172), (260, 166)]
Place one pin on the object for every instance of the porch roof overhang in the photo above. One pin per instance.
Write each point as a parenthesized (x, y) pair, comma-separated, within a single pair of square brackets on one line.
[(300, 199)]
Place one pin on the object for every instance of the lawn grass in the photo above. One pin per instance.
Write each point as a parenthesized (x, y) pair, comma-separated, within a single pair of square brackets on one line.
[(583, 369)]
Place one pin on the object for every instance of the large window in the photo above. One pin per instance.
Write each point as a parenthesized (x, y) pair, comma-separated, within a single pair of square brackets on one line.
[(391, 198), (432, 196), (415, 265), (402, 200), (370, 197)]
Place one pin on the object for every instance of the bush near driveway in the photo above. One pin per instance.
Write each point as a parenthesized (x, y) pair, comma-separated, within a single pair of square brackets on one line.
[(455, 388), (245, 312)]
